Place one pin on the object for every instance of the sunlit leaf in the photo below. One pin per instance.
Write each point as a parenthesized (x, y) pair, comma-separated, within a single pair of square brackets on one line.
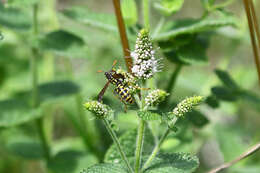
[(90, 18), (192, 26), (168, 7), (64, 43), (14, 18), (129, 11)]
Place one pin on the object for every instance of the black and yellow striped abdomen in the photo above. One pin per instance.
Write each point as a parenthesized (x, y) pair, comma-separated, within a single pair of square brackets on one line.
[(124, 93)]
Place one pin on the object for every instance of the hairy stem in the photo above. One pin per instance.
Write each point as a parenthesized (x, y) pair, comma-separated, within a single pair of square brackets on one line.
[(139, 145), (158, 145), (249, 152), (115, 139), (35, 97), (252, 34), (146, 10), (156, 149), (123, 36)]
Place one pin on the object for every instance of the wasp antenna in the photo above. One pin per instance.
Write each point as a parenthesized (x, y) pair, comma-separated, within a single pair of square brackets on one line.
[(114, 63), (100, 71)]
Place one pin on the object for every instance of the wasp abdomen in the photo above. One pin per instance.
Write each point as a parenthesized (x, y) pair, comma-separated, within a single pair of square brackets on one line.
[(124, 94)]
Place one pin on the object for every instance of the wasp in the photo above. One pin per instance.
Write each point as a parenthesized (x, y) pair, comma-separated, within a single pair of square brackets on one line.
[(121, 87)]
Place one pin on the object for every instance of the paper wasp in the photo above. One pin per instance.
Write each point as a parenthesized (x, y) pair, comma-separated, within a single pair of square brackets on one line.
[(118, 80)]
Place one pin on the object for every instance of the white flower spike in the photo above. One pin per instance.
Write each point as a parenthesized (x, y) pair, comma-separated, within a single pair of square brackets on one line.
[(145, 65)]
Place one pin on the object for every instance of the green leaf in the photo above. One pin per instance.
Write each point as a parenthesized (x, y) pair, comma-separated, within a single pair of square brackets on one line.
[(175, 162), (148, 115), (52, 91), (128, 142), (129, 11), (64, 43), (25, 147), (223, 93), (21, 3), (192, 26), (212, 101), (14, 112), (197, 118), (226, 79), (87, 17), (105, 168), (193, 53), (14, 18), (168, 7), (71, 161)]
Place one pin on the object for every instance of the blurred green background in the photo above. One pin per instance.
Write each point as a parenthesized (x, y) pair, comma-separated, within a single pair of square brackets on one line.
[(74, 46)]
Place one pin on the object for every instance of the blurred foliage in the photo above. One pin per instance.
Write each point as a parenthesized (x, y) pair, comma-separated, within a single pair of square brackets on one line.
[(78, 38)]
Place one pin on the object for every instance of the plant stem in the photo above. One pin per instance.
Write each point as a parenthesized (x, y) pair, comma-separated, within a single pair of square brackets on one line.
[(173, 78), (249, 152), (139, 145), (115, 139), (252, 35), (158, 27), (123, 36), (146, 10), (159, 144), (35, 97), (43, 137), (171, 84), (156, 149)]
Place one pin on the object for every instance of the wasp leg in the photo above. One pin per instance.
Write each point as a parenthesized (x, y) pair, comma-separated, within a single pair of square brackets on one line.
[(120, 98)]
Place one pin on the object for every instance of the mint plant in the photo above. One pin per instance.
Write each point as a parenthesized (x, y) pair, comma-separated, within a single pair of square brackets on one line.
[(145, 66), (50, 52)]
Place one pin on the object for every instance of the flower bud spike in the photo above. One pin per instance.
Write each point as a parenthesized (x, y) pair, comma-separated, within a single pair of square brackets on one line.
[(98, 109), (154, 97), (187, 105)]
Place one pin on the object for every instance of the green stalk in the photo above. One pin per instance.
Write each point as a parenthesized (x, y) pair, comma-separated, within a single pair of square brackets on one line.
[(139, 145), (156, 149), (115, 139), (146, 11), (172, 83), (158, 27), (158, 146), (35, 97)]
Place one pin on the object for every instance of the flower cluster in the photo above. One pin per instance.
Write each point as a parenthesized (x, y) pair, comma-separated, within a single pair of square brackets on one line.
[(145, 64), (155, 97), (187, 105), (100, 110)]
